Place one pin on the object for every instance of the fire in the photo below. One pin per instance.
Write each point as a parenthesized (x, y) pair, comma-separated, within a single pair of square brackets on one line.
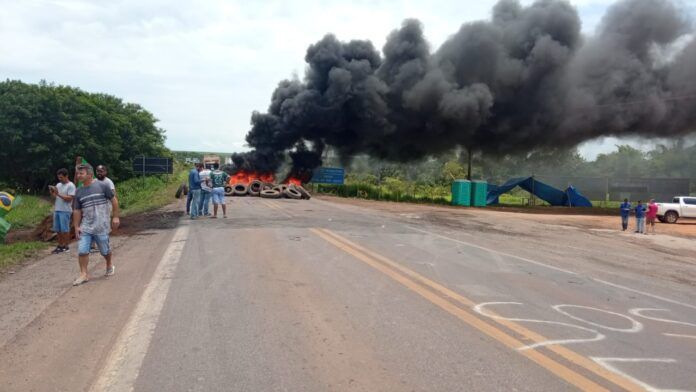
[(298, 177), (245, 177), (294, 181)]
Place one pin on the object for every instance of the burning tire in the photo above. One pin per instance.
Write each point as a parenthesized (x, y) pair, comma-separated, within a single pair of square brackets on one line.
[(240, 190), (179, 191), (293, 193), (266, 186), (303, 192), (281, 188), (255, 188), (270, 194), (229, 191)]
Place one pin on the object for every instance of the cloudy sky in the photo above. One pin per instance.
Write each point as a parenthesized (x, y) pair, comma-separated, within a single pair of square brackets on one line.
[(202, 67)]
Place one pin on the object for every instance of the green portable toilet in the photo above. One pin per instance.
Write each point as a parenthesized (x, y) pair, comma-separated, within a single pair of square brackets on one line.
[(461, 193), (479, 193)]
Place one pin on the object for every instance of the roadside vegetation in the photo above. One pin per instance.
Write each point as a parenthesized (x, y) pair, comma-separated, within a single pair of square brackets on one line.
[(136, 195), (31, 211)]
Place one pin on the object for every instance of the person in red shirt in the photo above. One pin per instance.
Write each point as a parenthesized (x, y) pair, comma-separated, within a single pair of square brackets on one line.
[(651, 215)]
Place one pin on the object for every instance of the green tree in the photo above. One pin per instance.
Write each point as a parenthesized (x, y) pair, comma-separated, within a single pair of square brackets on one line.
[(43, 127)]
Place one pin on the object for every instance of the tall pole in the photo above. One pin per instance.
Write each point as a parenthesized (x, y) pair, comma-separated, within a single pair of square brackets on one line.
[(468, 172)]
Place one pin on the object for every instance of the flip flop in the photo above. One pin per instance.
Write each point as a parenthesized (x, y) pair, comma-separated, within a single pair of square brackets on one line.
[(80, 281)]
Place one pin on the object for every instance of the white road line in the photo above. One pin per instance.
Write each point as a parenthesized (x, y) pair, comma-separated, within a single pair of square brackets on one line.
[(526, 260), (605, 362), (618, 286), (639, 312), (480, 309), (635, 325), (126, 357), (678, 335)]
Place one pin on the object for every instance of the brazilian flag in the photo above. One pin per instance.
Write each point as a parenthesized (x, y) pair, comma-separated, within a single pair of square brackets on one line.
[(7, 201)]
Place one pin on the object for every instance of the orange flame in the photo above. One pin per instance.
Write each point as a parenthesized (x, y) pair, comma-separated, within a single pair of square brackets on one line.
[(244, 177)]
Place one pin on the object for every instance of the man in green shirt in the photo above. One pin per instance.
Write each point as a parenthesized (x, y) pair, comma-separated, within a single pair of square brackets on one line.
[(219, 179)]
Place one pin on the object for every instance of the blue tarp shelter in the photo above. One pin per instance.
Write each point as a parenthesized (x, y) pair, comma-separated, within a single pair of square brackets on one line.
[(556, 197)]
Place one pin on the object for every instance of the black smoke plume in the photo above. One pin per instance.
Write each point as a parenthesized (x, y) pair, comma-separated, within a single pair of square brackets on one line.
[(524, 80)]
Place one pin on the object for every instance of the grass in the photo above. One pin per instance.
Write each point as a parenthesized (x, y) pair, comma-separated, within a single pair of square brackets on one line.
[(144, 194), (30, 212), (11, 254), (431, 195), (135, 195)]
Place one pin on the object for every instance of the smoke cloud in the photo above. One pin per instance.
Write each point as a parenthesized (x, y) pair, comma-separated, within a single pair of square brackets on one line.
[(523, 80)]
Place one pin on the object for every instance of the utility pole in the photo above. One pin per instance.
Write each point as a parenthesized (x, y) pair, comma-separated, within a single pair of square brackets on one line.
[(468, 172)]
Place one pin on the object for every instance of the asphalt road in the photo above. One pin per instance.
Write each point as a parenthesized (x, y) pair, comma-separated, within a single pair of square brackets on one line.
[(315, 295)]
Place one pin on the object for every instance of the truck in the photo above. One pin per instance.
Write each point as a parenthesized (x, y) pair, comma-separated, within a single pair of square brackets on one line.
[(680, 207), (211, 161)]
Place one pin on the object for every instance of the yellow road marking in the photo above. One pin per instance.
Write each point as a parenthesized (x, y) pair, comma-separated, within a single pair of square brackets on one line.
[(402, 275)]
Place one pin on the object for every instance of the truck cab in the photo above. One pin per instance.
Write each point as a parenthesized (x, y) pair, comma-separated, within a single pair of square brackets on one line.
[(680, 207)]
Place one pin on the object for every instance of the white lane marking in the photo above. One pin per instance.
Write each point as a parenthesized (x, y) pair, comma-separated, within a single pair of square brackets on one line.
[(480, 310), (605, 362), (618, 286), (636, 326), (639, 312), (526, 260), (678, 335), (126, 357)]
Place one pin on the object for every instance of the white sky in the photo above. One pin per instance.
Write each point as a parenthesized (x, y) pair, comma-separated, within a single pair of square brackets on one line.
[(202, 67)]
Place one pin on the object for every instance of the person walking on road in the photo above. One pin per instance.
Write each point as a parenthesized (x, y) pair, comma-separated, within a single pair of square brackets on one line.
[(63, 192), (92, 220), (195, 190), (219, 179), (206, 190), (640, 217), (651, 215), (625, 213), (102, 171)]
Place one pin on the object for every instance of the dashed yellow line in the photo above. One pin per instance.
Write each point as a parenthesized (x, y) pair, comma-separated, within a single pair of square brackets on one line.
[(441, 296)]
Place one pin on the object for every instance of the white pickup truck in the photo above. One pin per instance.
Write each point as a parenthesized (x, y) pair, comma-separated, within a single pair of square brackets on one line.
[(680, 207)]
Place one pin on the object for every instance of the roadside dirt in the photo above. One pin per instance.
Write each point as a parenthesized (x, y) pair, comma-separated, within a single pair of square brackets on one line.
[(30, 287), (581, 218)]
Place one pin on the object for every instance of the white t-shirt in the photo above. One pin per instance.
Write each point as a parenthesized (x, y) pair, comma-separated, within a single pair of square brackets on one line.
[(205, 176), (67, 189), (108, 182)]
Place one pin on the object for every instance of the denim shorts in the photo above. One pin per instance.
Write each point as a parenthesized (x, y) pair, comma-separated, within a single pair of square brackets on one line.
[(61, 221), (85, 243), (219, 195)]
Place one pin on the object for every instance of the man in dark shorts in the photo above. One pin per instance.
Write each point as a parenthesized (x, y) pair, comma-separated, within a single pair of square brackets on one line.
[(92, 206)]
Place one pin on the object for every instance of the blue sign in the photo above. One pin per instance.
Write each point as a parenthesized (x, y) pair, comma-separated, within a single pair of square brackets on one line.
[(328, 175)]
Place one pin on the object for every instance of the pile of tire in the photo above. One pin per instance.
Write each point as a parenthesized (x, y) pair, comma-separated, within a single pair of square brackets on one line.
[(268, 190)]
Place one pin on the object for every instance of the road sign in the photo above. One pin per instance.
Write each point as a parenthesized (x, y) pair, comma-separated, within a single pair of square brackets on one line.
[(329, 175), (153, 165)]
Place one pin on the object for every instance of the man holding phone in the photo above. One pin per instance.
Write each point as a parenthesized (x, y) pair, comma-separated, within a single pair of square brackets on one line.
[(63, 192)]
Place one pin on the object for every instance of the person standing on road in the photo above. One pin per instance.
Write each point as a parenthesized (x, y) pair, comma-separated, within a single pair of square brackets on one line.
[(219, 179), (625, 213), (640, 217), (63, 192), (651, 215), (91, 218), (195, 190), (206, 190)]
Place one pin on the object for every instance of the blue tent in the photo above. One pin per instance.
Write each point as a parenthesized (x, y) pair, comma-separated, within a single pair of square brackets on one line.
[(556, 197)]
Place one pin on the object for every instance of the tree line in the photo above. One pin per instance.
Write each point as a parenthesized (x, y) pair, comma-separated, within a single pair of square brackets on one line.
[(43, 127), (676, 159)]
